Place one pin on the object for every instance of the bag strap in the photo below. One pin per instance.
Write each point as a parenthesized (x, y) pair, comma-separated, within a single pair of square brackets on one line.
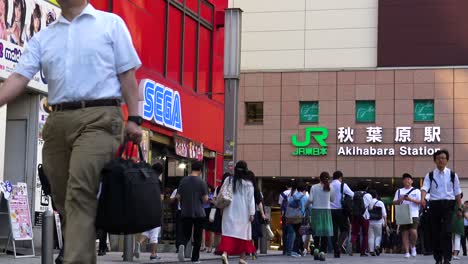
[(342, 192), (452, 178)]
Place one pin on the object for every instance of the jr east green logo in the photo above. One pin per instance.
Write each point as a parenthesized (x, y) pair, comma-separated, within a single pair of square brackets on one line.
[(320, 134)]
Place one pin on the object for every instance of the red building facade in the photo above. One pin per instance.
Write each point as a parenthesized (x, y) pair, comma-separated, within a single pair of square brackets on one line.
[(181, 44)]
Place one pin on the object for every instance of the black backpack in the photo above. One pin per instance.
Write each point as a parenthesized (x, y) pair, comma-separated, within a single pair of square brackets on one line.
[(346, 202), (284, 204), (431, 178), (358, 204), (376, 212)]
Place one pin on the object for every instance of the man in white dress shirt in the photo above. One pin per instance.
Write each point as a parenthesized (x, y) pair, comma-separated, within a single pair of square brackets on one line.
[(89, 61), (444, 187)]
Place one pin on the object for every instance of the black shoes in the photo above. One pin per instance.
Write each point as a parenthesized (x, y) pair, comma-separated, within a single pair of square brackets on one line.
[(364, 255), (59, 259)]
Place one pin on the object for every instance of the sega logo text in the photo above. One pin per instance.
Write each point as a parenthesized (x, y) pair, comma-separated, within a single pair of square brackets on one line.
[(161, 104)]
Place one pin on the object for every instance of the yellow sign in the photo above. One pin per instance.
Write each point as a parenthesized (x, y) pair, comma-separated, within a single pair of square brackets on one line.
[(54, 2)]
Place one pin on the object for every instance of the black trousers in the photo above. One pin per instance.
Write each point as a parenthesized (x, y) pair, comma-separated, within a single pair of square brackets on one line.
[(195, 224), (340, 229), (298, 245), (321, 243), (441, 213), (179, 235), (102, 236), (464, 239), (285, 235)]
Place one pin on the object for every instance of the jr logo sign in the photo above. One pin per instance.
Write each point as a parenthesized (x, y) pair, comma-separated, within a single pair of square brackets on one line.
[(320, 134)]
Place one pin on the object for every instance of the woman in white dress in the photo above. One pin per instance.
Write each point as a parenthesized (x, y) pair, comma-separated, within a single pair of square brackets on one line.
[(237, 217)]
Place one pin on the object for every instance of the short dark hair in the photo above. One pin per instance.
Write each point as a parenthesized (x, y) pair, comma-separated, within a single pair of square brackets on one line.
[(301, 186), (440, 152), (158, 167), (373, 193), (337, 175), (197, 166), (406, 175)]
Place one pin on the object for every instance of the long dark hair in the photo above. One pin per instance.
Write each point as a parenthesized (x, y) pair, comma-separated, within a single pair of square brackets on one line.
[(5, 15), (250, 176), (22, 5), (35, 14), (324, 179), (240, 173)]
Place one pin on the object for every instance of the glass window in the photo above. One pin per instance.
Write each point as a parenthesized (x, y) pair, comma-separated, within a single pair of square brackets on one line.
[(365, 111), (254, 112), (424, 110), (309, 112)]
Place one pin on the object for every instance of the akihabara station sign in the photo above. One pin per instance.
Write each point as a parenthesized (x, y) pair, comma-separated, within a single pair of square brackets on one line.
[(315, 142)]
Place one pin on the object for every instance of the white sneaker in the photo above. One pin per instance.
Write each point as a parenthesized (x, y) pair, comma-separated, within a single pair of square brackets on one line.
[(181, 253), (407, 255), (456, 257), (413, 252)]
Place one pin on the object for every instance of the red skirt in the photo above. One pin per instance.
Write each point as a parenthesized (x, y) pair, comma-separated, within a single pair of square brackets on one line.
[(235, 246)]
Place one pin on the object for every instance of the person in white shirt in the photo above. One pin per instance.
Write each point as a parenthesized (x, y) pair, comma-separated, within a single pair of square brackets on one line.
[(282, 201), (377, 221), (360, 222), (340, 219), (444, 187), (411, 196)]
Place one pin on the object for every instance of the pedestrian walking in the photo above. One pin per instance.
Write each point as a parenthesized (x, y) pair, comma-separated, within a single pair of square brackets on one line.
[(237, 217), (218, 218), (179, 231), (377, 221), (294, 217), (465, 223), (260, 216), (444, 186), (207, 226), (192, 192), (458, 230), (283, 203), (85, 127), (151, 235), (360, 219), (411, 196), (339, 217), (321, 195)]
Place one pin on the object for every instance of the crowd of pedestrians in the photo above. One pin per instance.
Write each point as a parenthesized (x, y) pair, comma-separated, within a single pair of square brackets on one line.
[(314, 217)]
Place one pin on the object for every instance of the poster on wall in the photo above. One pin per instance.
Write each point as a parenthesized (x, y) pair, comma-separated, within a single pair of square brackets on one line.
[(145, 145), (20, 216), (41, 201), (19, 21), (188, 149)]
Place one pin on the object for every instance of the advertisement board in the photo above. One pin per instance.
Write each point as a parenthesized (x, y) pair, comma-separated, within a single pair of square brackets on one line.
[(19, 21), (20, 216)]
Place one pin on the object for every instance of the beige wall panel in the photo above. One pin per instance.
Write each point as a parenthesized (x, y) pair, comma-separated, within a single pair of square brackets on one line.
[(270, 21), (273, 40), (269, 5), (341, 58), (272, 60), (341, 18), (341, 38), (339, 4)]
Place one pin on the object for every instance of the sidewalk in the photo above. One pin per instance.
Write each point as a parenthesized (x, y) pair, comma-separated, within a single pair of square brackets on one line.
[(116, 257)]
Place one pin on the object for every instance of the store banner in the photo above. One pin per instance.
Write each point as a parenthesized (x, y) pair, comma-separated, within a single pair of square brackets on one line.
[(19, 21), (188, 149), (20, 216), (41, 201)]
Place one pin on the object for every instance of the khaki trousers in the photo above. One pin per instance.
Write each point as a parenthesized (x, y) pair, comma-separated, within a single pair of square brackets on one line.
[(78, 143)]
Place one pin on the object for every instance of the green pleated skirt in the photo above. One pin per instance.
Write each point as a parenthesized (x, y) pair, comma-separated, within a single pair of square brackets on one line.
[(321, 223)]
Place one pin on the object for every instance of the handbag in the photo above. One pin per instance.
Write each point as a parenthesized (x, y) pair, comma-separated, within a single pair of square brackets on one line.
[(403, 212), (268, 232), (225, 195), (211, 218), (375, 213), (305, 229), (129, 197), (294, 213)]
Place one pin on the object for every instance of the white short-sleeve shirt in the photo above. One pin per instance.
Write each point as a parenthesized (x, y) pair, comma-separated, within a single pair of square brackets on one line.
[(415, 194)]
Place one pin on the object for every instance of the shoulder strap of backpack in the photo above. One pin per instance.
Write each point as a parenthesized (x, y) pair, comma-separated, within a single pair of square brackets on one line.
[(431, 179), (452, 178)]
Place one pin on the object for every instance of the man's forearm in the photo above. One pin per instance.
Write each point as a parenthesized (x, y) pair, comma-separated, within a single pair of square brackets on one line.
[(459, 201), (130, 91), (12, 88)]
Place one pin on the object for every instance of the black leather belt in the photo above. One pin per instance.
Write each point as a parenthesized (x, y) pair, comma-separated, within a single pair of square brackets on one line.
[(84, 104)]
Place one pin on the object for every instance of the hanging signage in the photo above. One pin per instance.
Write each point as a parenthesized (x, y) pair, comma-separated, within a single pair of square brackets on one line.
[(21, 22), (20, 216), (424, 110), (309, 112), (345, 135), (161, 105), (365, 111), (41, 201), (188, 149)]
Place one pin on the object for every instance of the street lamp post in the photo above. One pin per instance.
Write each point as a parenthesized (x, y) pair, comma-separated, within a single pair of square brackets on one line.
[(232, 59)]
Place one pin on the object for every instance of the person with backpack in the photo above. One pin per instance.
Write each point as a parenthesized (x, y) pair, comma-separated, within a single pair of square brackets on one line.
[(340, 209), (444, 186), (411, 196), (294, 217), (321, 195), (377, 221), (283, 202), (360, 219)]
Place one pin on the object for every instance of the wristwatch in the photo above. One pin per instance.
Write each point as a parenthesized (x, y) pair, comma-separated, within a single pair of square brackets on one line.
[(136, 119)]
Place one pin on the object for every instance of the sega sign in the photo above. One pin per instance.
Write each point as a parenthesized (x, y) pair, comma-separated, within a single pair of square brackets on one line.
[(161, 104)]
